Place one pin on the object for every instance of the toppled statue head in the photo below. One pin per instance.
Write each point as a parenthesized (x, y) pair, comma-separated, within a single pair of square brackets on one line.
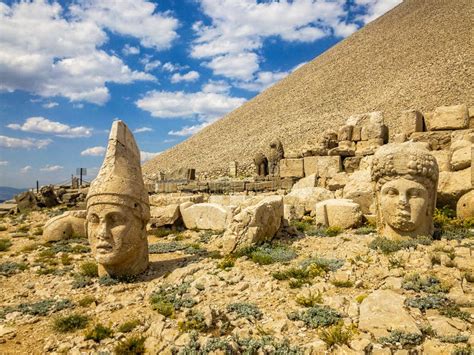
[(406, 179), (118, 209)]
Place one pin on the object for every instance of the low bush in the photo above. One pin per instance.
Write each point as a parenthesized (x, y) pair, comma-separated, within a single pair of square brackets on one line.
[(267, 253), (10, 268), (194, 321), (428, 284), (226, 263), (86, 301), (41, 308), (127, 327), (310, 300), (387, 246), (161, 232), (169, 298), (5, 244), (131, 346), (317, 316), (404, 339), (343, 283), (81, 281), (98, 332), (89, 269), (245, 310), (70, 323), (336, 335)]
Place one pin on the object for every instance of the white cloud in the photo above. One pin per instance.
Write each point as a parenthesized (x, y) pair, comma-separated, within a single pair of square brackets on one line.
[(239, 28), (136, 18), (27, 143), (171, 67), (143, 129), (93, 151), (262, 80), (375, 8), (147, 155), (216, 86), (148, 63), (189, 76), (26, 169), (130, 50), (205, 106), (51, 168), (3, 163), (50, 104), (43, 125), (49, 51), (189, 130)]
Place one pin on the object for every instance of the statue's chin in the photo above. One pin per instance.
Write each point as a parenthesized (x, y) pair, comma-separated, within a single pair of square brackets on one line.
[(404, 225), (106, 259)]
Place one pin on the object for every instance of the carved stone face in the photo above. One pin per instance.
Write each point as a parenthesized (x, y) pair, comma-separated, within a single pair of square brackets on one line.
[(404, 204), (115, 233)]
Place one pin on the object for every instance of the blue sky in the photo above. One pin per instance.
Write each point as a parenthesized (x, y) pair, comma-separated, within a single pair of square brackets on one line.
[(167, 68)]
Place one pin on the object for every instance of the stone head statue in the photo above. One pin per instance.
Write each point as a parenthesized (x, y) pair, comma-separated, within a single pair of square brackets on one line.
[(275, 155), (406, 179), (118, 208)]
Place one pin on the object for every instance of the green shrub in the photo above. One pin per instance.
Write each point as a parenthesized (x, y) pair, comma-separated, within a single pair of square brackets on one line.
[(325, 264), (387, 246), (343, 283), (317, 316), (41, 308), (86, 301), (336, 335), (108, 281), (452, 310), (360, 298), (81, 281), (427, 302), (333, 231), (302, 226), (194, 321), (245, 310), (267, 253), (161, 232), (428, 284), (402, 338), (23, 228), (90, 269), (454, 339), (127, 327), (131, 346), (169, 298), (365, 230), (3, 228), (10, 268), (291, 273), (70, 323), (310, 300), (465, 350), (435, 259), (226, 263), (98, 332), (66, 259), (5, 244), (296, 283)]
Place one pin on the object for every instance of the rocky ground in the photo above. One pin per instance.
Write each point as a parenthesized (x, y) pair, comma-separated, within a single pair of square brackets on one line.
[(312, 291)]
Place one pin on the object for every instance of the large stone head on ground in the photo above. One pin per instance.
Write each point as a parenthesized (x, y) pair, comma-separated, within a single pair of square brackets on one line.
[(118, 208), (406, 178)]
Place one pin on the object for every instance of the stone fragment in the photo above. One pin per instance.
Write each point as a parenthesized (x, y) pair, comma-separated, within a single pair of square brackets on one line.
[(161, 200), (118, 209), (47, 197), (398, 138), (368, 147), (26, 201), (441, 326), (206, 216), (276, 154), (344, 149), (406, 177), (308, 181), (452, 185), (437, 140), (463, 135), (337, 181), (383, 311), (233, 169), (329, 165), (261, 164), (338, 213), (351, 164), (310, 165), (229, 200), (461, 154), (411, 121), (372, 131), (164, 216), (291, 168), (359, 188), (448, 117), (307, 197), (254, 225), (345, 133), (443, 158), (71, 224), (465, 205)]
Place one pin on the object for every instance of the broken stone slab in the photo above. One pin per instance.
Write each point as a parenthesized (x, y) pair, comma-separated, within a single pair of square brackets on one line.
[(465, 205), (165, 215), (47, 197), (337, 181), (254, 225), (229, 200), (338, 213), (443, 157), (291, 168), (307, 197), (383, 311), (368, 147), (71, 224), (210, 216), (26, 201), (329, 165), (310, 165), (411, 121), (360, 189), (161, 200), (351, 164), (451, 186), (437, 140), (308, 181), (448, 117), (461, 154)]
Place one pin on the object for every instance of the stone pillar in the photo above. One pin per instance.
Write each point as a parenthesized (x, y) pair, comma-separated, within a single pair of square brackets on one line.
[(233, 169)]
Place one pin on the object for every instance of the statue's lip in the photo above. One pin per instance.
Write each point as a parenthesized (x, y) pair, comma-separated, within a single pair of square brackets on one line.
[(104, 247)]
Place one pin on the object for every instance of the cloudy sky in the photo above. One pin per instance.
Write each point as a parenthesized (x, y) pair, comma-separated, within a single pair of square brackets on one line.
[(166, 67)]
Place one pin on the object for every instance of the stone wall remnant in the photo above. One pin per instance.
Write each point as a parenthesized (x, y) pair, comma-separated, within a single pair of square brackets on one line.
[(261, 164), (118, 208), (448, 117)]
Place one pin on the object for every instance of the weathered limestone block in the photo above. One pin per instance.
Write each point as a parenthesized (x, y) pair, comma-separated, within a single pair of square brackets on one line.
[(360, 120), (460, 155), (307, 197), (310, 165), (337, 181), (359, 188), (118, 209), (449, 117), (351, 164), (411, 121), (443, 157), (356, 133), (452, 185), (254, 225), (291, 168), (465, 205), (368, 147), (338, 212), (261, 164), (366, 163), (383, 311), (293, 212), (233, 169), (436, 140), (308, 181), (47, 197), (165, 215), (329, 165), (206, 216), (406, 177), (398, 138), (276, 154), (344, 149), (26, 201), (372, 131), (463, 135), (345, 133), (70, 224), (161, 200), (229, 200)]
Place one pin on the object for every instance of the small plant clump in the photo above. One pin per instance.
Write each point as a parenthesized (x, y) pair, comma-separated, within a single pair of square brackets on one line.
[(166, 247), (226, 263), (428, 284), (41, 308), (70, 323), (127, 327), (464, 350), (81, 281), (428, 302), (336, 335), (454, 339), (86, 301), (317, 316), (267, 253), (388, 246), (10, 268), (131, 346), (468, 276), (194, 321), (245, 310), (98, 332), (343, 283), (5, 244), (161, 232), (402, 338), (310, 300), (89, 269), (365, 230), (169, 298)]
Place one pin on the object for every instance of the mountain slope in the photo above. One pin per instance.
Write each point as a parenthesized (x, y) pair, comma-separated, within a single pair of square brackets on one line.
[(418, 55)]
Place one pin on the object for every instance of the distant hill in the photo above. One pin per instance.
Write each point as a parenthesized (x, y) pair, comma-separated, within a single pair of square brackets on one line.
[(416, 56), (7, 193)]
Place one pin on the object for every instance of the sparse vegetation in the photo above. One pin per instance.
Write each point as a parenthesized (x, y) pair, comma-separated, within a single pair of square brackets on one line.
[(336, 335), (464, 350), (161, 232), (38, 231), (226, 263), (5, 244), (428, 284), (387, 246), (268, 253), (450, 227), (245, 310), (454, 339), (360, 298), (317, 316), (10, 268), (131, 346), (310, 300), (395, 262), (343, 283), (3, 228), (402, 338), (89, 269), (127, 327), (194, 321), (70, 323), (98, 332), (169, 298), (468, 276), (86, 301), (367, 229), (81, 281), (41, 308), (166, 247)]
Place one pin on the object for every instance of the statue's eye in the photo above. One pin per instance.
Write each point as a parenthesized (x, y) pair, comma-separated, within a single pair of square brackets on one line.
[(414, 193), (392, 192), (116, 219), (93, 218)]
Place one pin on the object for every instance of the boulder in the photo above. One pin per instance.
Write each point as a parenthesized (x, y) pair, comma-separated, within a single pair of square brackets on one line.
[(329, 165), (291, 168), (47, 197), (436, 140), (411, 121), (448, 117), (337, 181), (70, 224), (383, 311), (308, 181), (229, 200), (443, 158), (368, 147), (351, 164), (338, 212), (205, 216), (461, 155), (173, 198), (166, 215), (452, 185), (26, 201), (307, 197), (359, 188), (465, 205), (254, 225)]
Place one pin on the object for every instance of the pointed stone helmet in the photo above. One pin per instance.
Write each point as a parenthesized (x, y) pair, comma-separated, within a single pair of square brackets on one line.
[(120, 180)]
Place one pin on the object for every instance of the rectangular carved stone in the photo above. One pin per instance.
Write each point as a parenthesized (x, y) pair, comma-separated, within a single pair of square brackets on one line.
[(351, 164), (291, 168), (443, 159), (233, 169), (437, 140), (329, 165), (310, 165), (368, 147), (411, 121), (449, 117), (356, 131), (371, 131)]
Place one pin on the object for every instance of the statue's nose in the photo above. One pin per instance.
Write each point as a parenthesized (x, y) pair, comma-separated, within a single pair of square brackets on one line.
[(403, 200), (103, 233)]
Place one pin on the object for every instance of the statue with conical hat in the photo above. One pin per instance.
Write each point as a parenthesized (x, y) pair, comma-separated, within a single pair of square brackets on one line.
[(406, 180), (118, 208)]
